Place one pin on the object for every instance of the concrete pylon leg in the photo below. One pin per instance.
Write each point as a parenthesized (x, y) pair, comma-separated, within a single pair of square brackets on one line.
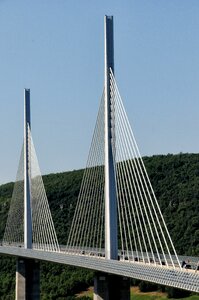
[(20, 291), (27, 280), (111, 287)]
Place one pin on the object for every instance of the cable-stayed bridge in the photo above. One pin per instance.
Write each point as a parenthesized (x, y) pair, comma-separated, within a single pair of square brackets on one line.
[(117, 228)]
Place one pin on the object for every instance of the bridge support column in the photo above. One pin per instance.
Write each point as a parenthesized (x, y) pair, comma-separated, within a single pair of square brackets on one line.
[(27, 280), (109, 287)]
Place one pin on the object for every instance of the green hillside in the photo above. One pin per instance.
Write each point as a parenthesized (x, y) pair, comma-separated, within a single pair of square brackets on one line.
[(175, 179)]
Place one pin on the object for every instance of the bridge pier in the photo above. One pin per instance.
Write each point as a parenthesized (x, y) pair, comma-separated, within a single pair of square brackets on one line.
[(27, 279), (109, 287)]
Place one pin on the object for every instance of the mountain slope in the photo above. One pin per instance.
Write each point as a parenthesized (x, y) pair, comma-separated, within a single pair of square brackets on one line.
[(175, 179)]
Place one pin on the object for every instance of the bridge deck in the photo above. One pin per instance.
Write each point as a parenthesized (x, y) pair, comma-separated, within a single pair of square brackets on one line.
[(179, 278)]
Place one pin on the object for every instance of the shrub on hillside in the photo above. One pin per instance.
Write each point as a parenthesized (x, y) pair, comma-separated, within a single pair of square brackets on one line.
[(145, 286), (177, 293)]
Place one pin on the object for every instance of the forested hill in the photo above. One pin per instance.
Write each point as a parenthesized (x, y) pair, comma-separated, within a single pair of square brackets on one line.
[(175, 179)]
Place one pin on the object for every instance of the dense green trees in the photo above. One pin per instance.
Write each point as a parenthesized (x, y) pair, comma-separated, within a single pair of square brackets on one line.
[(7, 278), (59, 281), (175, 179)]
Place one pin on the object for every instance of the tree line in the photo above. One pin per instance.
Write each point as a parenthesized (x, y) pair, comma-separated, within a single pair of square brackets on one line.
[(175, 179)]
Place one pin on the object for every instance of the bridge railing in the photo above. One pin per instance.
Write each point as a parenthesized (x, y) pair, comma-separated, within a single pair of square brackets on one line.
[(190, 262)]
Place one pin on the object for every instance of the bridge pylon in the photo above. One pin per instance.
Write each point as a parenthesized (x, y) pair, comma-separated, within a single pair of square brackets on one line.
[(111, 240), (106, 286), (27, 271), (29, 224), (27, 173), (117, 216)]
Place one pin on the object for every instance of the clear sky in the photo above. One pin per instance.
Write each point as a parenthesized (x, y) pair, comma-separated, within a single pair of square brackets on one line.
[(55, 48)]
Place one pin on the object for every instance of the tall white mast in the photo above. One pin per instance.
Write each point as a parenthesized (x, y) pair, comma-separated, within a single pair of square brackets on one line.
[(27, 173), (111, 239)]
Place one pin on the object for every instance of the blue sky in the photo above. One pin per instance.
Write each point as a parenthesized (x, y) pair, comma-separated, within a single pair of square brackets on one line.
[(55, 48)]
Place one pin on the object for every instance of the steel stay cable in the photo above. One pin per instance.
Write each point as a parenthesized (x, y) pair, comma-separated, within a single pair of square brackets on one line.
[(39, 213), (97, 220), (161, 217), (158, 210), (100, 189), (118, 202), (100, 201), (131, 208), (149, 183), (120, 218), (138, 213), (120, 196), (35, 220), (10, 234), (135, 206), (95, 146), (48, 217), (137, 186), (117, 185), (138, 162), (90, 159), (124, 175), (10, 229), (79, 204), (94, 194), (145, 210), (124, 204), (37, 196), (153, 221), (72, 235), (120, 185), (92, 206)]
